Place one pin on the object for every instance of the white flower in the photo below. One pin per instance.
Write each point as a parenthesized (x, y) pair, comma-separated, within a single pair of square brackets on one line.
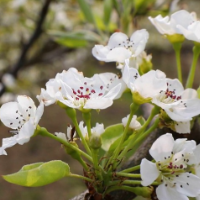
[(120, 47), (71, 134), (170, 26), (180, 105), (171, 161), (145, 87), (191, 32), (76, 91), (23, 117), (134, 123), (97, 130)]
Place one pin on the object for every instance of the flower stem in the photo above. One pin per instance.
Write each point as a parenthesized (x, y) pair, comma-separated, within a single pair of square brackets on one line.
[(133, 142), (87, 119), (133, 109), (196, 53), (144, 135), (177, 48), (128, 175), (81, 177), (42, 131), (131, 169)]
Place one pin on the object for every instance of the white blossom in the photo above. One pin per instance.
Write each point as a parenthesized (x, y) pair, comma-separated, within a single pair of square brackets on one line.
[(170, 168), (180, 105), (23, 117), (120, 47), (76, 91), (171, 26), (134, 123), (191, 32), (144, 87)]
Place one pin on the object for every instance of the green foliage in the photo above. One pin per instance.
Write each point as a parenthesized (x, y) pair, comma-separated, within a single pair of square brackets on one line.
[(108, 6), (111, 134), (73, 39), (39, 174), (85, 8)]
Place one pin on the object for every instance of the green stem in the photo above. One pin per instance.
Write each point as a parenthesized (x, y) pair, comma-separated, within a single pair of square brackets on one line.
[(143, 136), (87, 119), (128, 175), (71, 112), (42, 131), (137, 134), (81, 136), (122, 187), (131, 169), (196, 53), (133, 108), (177, 48), (81, 177)]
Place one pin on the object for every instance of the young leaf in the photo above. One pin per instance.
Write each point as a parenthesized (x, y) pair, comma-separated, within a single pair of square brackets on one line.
[(85, 8), (108, 6), (39, 174), (111, 134)]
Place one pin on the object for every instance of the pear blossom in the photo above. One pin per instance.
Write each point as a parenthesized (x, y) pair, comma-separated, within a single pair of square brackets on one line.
[(191, 32), (134, 123), (170, 26), (170, 169), (76, 91), (97, 130), (23, 117), (144, 87), (180, 105), (67, 137), (120, 47)]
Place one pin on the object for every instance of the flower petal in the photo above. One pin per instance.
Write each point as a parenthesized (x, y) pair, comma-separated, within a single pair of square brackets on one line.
[(188, 184), (149, 172), (25, 132), (162, 147), (167, 193)]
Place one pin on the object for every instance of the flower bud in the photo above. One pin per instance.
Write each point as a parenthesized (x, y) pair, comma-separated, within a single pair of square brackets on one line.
[(95, 141)]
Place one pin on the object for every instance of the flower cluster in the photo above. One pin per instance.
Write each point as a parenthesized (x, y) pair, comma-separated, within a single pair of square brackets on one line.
[(174, 162)]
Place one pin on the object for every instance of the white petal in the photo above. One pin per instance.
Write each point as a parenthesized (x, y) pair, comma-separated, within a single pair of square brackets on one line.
[(61, 136), (168, 193), (139, 38), (113, 93), (99, 103), (26, 132), (25, 103), (162, 147), (190, 184), (39, 113), (8, 114), (116, 39), (119, 54), (182, 127), (149, 172)]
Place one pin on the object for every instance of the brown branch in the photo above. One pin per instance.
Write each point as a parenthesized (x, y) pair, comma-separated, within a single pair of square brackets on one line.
[(36, 34)]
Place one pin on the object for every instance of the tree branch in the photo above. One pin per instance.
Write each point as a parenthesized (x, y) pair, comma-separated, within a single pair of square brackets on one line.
[(36, 34)]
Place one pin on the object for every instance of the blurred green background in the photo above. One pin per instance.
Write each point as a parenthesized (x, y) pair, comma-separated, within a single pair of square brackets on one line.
[(68, 34)]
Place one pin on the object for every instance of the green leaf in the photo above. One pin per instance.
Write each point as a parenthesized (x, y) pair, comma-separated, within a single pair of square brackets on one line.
[(85, 8), (39, 174), (108, 6), (111, 134), (73, 39)]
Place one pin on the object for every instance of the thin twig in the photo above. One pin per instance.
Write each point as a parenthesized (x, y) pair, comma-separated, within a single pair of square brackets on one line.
[(36, 34)]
